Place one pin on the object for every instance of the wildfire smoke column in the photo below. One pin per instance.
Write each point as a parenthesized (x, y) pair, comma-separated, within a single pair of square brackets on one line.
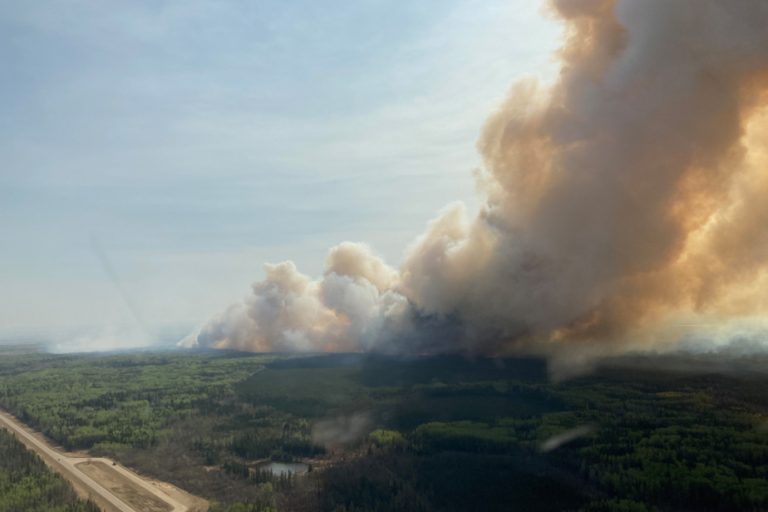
[(625, 205)]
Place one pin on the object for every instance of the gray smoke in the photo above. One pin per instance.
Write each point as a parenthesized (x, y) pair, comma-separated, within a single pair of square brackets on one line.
[(558, 440), (626, 206), (342, 430)]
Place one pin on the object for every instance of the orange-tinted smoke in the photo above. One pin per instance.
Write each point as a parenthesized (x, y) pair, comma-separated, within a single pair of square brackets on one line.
[(626, 206)]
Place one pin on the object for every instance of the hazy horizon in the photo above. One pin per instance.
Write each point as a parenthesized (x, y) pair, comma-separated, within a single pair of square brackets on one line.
[(195, 141)]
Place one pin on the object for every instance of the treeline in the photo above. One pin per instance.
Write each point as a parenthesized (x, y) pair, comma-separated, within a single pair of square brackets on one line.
[(644, 446), (127, 401), (28, 485), (445, 482), (452, 435), (253, 445)]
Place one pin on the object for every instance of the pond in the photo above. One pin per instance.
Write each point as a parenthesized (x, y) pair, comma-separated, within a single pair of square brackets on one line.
[(284, 468)]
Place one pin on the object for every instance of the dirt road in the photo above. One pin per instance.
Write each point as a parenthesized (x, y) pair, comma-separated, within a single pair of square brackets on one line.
[(114, 488)]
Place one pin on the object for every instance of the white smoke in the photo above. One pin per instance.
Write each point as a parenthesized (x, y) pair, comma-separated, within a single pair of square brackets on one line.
[(628, 195), (351, 307), (558, 440)]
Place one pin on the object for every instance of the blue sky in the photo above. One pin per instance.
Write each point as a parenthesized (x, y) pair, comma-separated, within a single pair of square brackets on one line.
[(191, 141)]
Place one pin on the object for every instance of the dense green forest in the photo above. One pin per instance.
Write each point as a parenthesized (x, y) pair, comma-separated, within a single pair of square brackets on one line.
[(425, 434), (27, 485)]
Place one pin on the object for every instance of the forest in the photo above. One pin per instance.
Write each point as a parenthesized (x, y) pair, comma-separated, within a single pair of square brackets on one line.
[(27, 484), (421, 434)]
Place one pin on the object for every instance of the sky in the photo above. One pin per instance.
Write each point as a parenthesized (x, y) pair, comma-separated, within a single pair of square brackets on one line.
[(153, 155)]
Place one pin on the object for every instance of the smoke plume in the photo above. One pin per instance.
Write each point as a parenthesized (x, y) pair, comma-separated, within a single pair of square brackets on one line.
[(626, 205)]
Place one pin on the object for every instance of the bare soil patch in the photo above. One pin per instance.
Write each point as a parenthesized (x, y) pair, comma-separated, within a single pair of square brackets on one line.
[(123, 488)]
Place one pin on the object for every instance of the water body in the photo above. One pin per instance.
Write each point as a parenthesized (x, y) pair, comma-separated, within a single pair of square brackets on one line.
[(285, 468)]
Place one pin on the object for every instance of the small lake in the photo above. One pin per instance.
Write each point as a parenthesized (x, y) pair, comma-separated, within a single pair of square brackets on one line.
[(284, 468)]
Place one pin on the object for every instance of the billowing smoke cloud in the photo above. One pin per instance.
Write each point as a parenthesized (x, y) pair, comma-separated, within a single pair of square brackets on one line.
[(626, 204)]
